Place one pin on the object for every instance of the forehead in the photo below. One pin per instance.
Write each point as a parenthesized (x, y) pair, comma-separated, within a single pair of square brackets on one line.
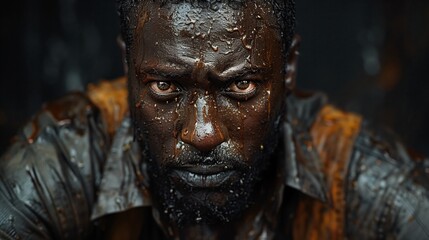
[(214, 33), (181, 12)]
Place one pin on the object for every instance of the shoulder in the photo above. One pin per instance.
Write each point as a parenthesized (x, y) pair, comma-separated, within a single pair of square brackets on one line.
[(376, 187), (387, 188), (49, 175), (93, 115)]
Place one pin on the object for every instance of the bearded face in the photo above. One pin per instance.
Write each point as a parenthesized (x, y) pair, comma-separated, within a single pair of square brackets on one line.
[(206, 94)]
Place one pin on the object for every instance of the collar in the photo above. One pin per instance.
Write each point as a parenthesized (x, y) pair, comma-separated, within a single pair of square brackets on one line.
[(124, 184), (302, 166)]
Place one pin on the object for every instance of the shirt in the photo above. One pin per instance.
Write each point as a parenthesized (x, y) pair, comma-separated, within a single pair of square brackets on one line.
[(74, 171)]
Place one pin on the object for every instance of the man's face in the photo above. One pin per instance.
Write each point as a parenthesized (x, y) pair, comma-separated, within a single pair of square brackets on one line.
[(207, 94)]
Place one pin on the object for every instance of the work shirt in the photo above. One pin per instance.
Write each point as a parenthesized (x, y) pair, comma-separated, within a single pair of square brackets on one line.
[(75, 172)]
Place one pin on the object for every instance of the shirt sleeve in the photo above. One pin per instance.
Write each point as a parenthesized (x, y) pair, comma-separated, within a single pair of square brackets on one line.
[(49, 176)]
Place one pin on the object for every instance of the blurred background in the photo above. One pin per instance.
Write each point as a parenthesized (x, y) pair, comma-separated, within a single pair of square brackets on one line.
[(369, 56)]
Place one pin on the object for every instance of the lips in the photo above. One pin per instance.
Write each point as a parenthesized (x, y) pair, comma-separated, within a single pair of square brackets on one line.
[(204, 176)]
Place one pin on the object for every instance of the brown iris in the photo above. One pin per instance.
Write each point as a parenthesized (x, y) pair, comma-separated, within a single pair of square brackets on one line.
[(161, 87), (242, 87)]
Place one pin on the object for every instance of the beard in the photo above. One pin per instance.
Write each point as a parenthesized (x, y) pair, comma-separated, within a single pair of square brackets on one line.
[(182, 204)]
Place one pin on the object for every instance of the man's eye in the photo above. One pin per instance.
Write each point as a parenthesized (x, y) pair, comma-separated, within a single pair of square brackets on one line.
[(242, 87), (163, 88)]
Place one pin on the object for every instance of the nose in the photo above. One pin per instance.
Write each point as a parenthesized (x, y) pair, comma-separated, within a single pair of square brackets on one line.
[(203, 130)]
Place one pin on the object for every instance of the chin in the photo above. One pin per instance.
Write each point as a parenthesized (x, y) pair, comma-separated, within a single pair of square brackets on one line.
[(182, 201), (204, 207), (184, 205)]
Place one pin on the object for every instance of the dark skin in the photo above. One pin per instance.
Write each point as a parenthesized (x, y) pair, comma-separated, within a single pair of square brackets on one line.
[(208, 89)]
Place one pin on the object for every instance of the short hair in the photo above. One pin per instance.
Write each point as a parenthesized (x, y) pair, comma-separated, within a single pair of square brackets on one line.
[(284, 11)]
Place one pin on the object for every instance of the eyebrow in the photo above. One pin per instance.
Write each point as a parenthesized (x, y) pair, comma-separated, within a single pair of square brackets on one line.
[(166, 71), (239, 71), (172, 68), (236, 71)]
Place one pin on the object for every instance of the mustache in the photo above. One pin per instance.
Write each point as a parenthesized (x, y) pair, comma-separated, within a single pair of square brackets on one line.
[(223, 155)]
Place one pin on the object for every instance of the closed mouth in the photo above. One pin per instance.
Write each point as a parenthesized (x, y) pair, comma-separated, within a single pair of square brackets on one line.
[(204, 176)]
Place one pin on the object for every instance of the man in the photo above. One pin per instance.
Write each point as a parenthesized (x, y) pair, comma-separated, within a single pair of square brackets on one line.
[(216, 145)]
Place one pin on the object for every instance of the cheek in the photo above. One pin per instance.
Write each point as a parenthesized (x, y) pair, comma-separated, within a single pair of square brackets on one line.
[(249, 124), (155, 123)]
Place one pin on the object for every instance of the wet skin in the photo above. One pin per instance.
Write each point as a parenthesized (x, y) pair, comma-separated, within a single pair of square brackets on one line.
[(207, 91)]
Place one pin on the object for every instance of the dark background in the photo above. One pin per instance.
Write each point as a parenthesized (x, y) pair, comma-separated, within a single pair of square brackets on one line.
[(370, 56)]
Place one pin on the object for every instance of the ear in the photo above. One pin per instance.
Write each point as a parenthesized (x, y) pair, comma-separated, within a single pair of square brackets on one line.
[(292, 62), (123, 48)]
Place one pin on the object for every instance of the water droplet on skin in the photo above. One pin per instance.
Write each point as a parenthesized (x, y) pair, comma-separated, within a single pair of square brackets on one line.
[(262, 147), (238, 128)]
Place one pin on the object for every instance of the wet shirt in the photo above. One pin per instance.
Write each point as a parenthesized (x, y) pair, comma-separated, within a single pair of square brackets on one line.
[(76, 164)]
